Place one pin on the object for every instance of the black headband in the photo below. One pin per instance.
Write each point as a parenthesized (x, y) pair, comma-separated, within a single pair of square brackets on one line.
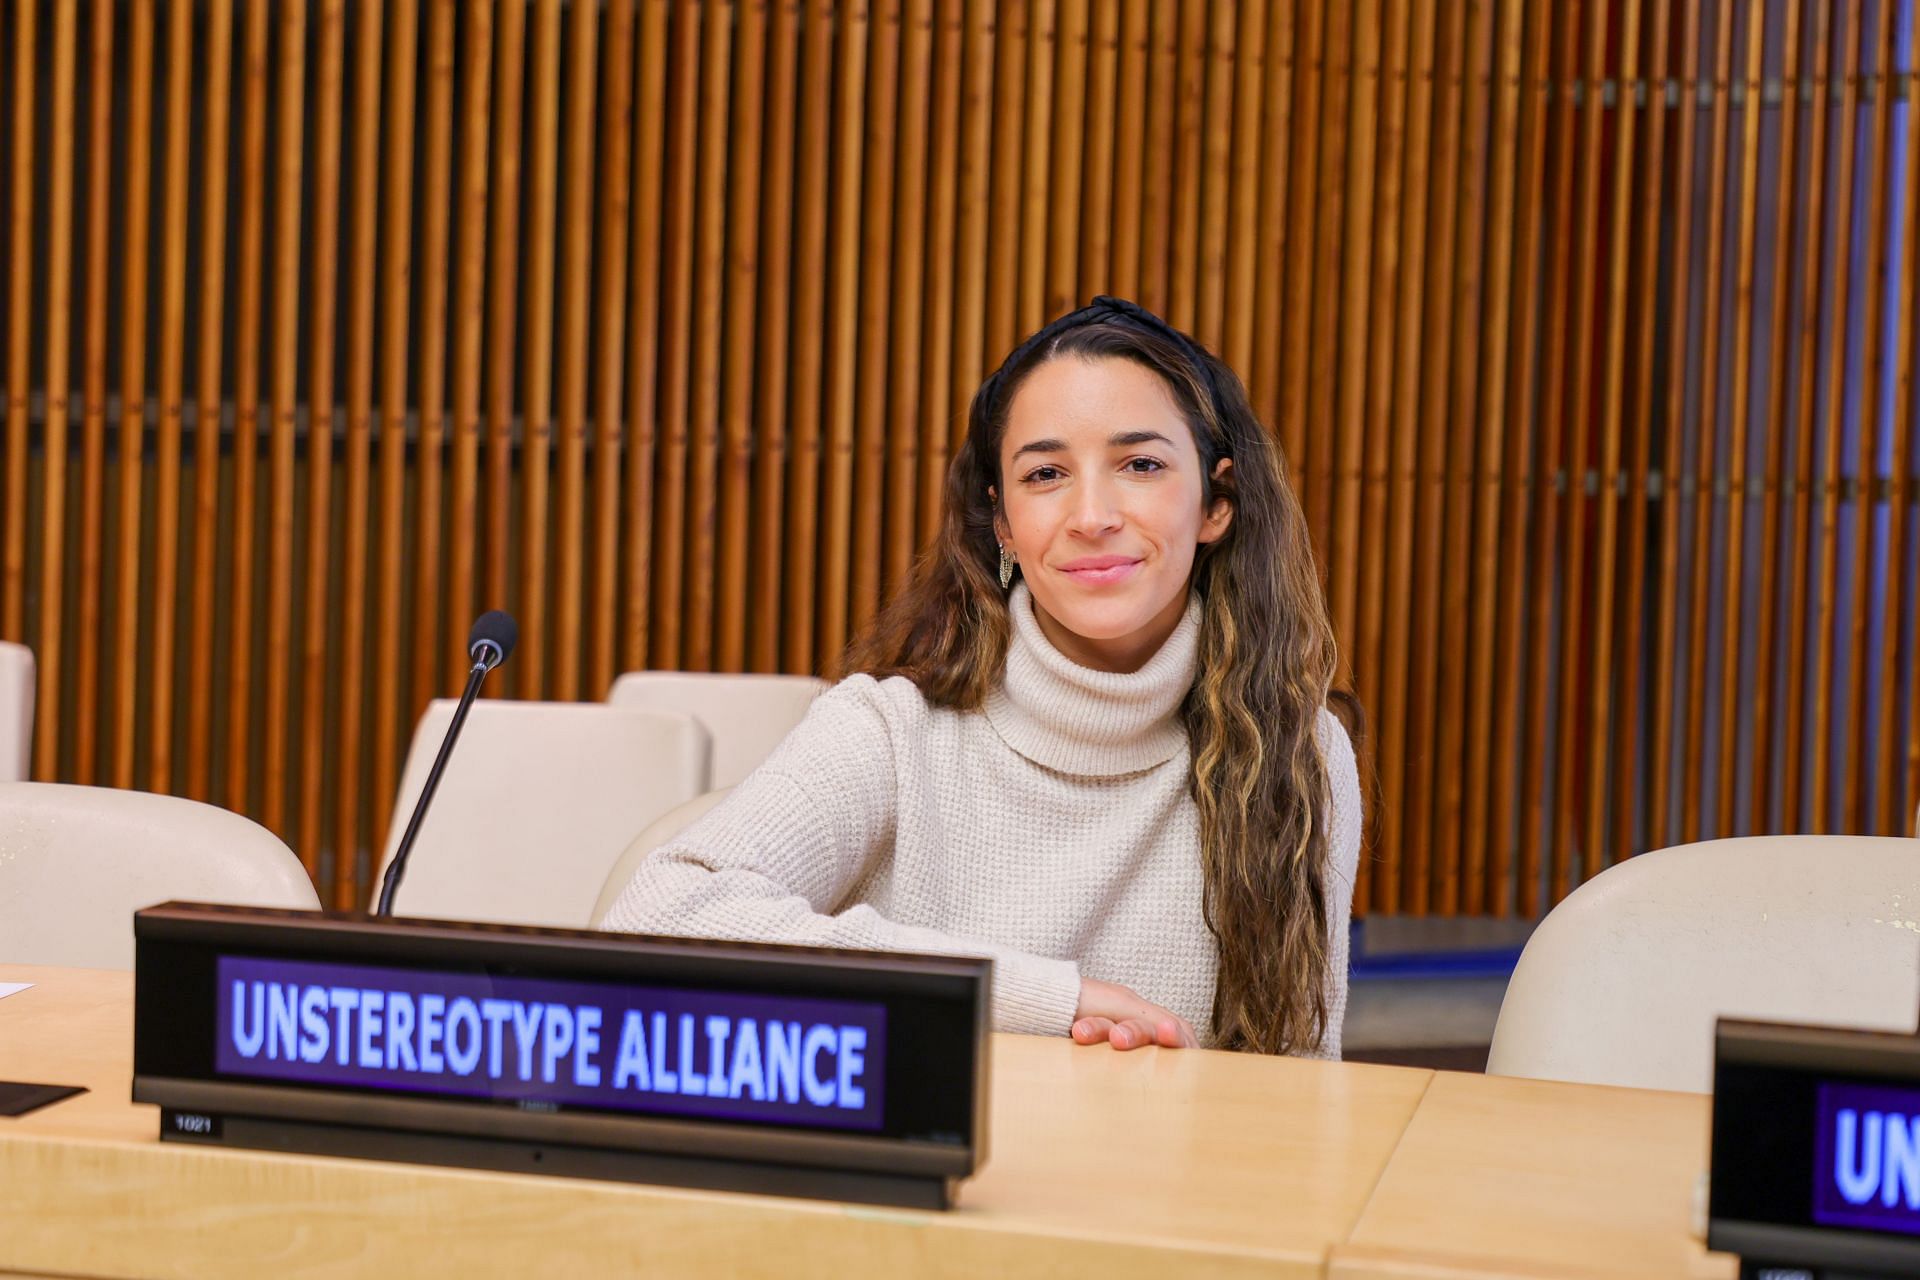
[(1107, 309)]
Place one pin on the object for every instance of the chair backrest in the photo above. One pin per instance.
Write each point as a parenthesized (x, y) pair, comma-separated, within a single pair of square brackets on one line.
[(746, 716), (16, 711), (77, 862), (537, 801), (662, 829), (1621, 982)]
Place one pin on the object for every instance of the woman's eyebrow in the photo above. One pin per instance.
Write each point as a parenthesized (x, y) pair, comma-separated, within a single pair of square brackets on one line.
[(1041, 446)]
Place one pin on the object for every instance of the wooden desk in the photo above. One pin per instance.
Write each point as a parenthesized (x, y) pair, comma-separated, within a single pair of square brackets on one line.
[(1498, 1177), (1143, 1164)]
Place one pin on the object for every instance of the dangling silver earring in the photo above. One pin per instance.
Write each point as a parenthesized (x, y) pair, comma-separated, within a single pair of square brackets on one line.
[(1006, 567)]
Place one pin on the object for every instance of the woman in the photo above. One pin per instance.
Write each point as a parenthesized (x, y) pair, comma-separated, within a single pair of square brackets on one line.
[(1089, 739)]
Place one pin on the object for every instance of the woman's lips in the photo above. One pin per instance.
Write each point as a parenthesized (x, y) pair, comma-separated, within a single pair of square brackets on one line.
[(1101, 570)]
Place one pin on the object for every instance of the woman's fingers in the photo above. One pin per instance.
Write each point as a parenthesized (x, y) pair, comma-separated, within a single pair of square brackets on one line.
[(1132, 1033), (1092, 1030)]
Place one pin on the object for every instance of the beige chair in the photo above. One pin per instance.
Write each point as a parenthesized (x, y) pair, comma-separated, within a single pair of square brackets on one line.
[(661, 830), (16, 711), (77, 862), (1621, 982), (536, 803), (746, 715)]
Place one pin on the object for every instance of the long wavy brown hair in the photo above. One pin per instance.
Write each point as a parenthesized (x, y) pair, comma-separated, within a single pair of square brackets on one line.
[(1265, 663)]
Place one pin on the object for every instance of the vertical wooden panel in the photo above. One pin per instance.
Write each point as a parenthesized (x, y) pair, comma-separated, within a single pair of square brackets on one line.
[(246, 406), (173, 326), (936, 413), (209, 403), (1707, 434), (771, 409), (1129, 159), (1065, 156), (1893, 809), (1535, 781), (644, 332), (1734, 623), (469, 322), (1009, 114), (710, 213), (1094, 239), (1395, 817), (1862, 746), (1518, 881), (536, 311), (1602, 712), (1271, 250), (810, 246), (13, 572), (436, 165), (876, 317), (1660, 714), (1348, 404), (1035, 173), (503, 285), (1251, 76), (1568, 833), (844, 347), (133, 408), (1643, 292), (615, 198), (1156, 214), (1821, 816), (737, 358), (392, 707), (903, 344), (1814, 278), (567, 565), (1462, 395), (1430, 490), (1480, 891), (1786, 231), (1322, 346), (1189, 154), (970, 354), (1223, 60), (317, 640), (1296, 316), (59, 329), (93, 467)]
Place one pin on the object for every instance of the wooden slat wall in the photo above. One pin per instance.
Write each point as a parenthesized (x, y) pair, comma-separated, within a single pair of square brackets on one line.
[(1588, 330)]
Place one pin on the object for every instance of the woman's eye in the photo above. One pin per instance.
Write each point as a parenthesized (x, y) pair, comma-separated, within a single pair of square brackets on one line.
[(1145, 466), (1042, 475)]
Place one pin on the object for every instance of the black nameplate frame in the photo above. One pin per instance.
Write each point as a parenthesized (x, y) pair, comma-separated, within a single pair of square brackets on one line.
[(1816, 1151), (844, 1075)]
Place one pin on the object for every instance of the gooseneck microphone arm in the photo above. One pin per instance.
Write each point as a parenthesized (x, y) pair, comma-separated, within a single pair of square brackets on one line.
[(488, 644)]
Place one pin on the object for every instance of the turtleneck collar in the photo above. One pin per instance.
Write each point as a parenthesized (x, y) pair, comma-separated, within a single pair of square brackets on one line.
[(1075, 720)]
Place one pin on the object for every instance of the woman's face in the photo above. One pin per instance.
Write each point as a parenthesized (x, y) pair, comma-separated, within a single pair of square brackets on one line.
[(1102, 507)]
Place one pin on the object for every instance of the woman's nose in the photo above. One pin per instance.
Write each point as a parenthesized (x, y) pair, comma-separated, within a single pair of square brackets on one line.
[(1096, 509)]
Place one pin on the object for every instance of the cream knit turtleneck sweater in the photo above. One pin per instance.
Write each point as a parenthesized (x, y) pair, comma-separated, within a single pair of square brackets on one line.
[(1051, 830)]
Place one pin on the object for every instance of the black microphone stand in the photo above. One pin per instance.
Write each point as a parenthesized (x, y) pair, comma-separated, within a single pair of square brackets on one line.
[(487, 654)]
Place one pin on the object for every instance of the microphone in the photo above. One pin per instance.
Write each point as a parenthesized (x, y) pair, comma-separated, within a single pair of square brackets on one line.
[(489, 644)]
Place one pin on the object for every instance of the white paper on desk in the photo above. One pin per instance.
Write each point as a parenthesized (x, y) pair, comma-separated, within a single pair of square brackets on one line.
[(8, 988)]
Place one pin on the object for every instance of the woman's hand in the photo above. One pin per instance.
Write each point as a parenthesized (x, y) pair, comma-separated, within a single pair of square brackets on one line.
[(1125, 1020)]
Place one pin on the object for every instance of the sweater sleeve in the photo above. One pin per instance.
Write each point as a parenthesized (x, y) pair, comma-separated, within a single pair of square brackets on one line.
[(777, 860), (1343, 864)]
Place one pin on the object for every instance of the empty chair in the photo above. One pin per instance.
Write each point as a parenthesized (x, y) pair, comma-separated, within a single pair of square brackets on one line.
[(1622, 982), (745, 716), (658, 832), (536, 803), (16, 711), (77, 862)]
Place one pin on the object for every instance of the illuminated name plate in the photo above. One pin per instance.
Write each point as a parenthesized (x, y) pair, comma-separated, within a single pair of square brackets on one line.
[(845, 1075), (1816, 1149)]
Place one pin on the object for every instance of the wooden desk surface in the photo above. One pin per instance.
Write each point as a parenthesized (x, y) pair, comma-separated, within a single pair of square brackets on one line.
[(1500, 1177), (1148, 1163)]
